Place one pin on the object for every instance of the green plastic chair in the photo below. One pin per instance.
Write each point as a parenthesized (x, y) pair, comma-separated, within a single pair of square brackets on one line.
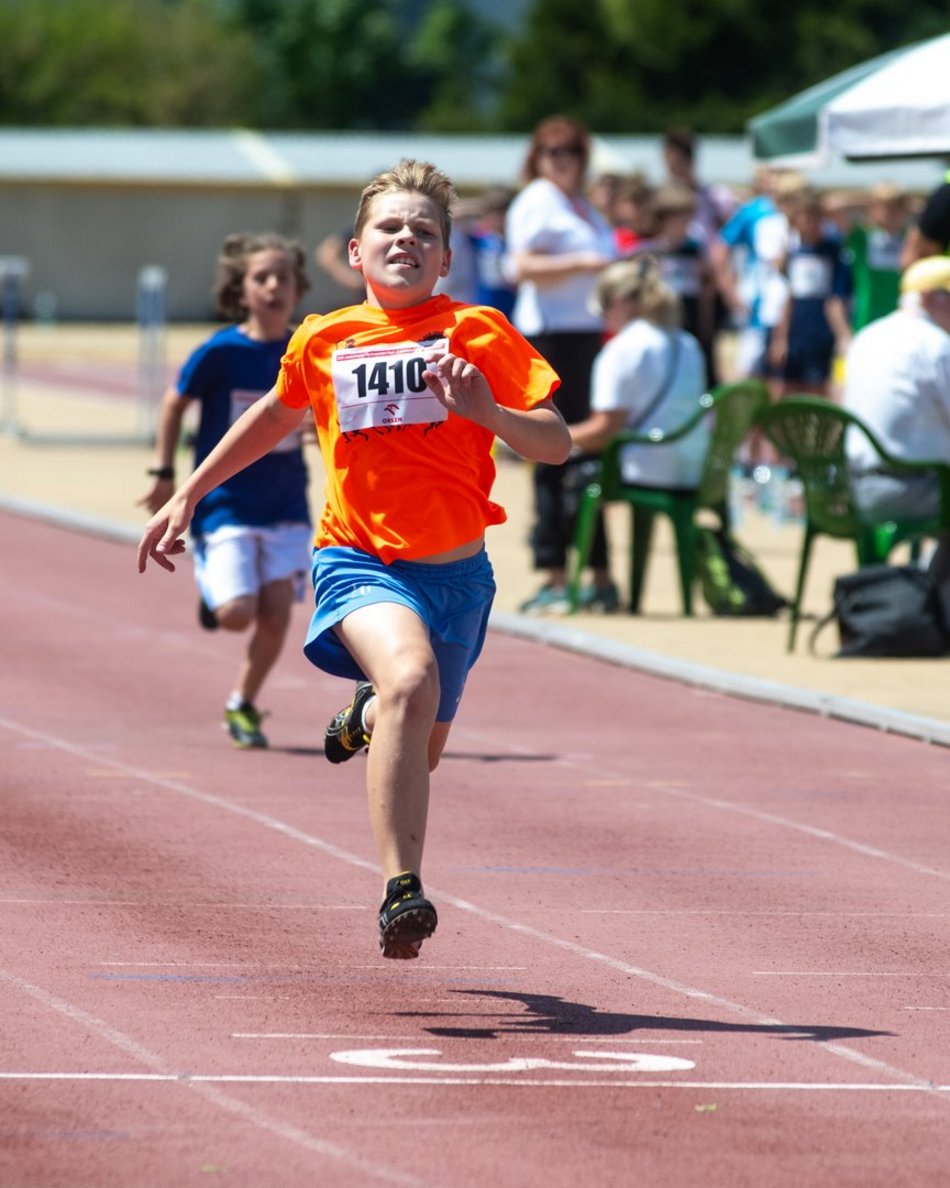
[(735, 408), (811, 433)]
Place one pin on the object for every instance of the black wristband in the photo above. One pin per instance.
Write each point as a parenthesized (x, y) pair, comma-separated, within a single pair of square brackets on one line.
[(162, 472)]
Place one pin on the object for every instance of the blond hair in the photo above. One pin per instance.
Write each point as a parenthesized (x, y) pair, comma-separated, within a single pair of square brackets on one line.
[(640, 280), (412, 177)]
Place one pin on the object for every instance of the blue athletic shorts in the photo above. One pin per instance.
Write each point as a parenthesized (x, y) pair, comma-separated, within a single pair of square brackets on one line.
[(453, 601)]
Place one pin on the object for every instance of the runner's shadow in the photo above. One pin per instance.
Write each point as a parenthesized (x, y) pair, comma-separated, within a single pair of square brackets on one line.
[(481, 757), (307, 752), (546, 1014), (471, 756)]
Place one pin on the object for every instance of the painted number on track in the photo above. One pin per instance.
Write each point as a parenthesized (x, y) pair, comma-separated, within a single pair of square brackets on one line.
[(409, 1058)]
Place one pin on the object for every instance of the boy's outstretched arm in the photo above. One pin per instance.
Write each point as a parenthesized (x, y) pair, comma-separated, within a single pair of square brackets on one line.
[(538, 434), (266, 423)]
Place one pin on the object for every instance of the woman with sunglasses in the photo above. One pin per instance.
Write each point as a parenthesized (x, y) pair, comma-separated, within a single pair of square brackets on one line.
[(558, 244)]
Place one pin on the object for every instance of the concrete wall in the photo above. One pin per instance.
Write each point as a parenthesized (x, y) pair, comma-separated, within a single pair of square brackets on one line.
[(86, 244)]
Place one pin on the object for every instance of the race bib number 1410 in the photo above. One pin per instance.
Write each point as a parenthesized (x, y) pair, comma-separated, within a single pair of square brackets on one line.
[(383, 386)]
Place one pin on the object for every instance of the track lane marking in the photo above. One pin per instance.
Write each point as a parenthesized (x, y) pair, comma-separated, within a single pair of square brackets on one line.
[(507, 1082), (845, 1052), (204, 1086)]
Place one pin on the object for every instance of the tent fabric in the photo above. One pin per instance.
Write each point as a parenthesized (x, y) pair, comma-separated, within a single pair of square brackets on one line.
[(894, 105)]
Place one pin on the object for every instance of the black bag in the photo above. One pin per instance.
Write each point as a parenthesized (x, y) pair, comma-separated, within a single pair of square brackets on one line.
[(887, 610), (732, 583)]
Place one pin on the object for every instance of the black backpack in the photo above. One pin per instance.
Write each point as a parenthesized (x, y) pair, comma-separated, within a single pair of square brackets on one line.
[(886, 610), (731, 581)]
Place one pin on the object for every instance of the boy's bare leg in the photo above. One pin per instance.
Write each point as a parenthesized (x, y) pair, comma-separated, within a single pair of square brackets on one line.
[(391, 645), (270, 613)]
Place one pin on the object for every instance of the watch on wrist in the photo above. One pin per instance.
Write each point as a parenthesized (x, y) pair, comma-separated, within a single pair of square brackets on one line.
[(162, 472)]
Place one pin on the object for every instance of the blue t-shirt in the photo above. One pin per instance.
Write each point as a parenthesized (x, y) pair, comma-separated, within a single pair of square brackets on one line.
[(742, 235), (493, 288), (816, 272), (226, 374)]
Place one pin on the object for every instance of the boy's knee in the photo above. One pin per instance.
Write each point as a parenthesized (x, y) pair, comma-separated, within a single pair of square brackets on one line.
[(238, 614), (414, 688)]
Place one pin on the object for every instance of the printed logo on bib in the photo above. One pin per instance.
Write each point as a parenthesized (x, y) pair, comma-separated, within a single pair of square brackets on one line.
[(241, 401), (382, 387)]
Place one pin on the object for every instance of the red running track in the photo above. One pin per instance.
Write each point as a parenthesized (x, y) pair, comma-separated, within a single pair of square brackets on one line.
[(685, 940)]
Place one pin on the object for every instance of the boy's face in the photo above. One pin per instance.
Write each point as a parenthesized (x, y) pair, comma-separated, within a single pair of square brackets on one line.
[(400, 251), (890, 215), (807, 221)]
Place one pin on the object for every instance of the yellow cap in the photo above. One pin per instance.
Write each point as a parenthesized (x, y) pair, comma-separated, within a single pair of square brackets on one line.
[(927, 275)]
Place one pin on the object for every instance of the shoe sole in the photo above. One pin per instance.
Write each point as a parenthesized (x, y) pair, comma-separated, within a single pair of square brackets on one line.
[(402, 937), (335, 752)]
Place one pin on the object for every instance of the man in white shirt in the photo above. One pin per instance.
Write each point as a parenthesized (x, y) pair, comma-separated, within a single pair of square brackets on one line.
[(897, 381)]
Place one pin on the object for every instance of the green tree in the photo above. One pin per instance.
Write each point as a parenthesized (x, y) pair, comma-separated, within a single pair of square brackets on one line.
[(376, 65), (124, 62), (457, 57), (642, 65)]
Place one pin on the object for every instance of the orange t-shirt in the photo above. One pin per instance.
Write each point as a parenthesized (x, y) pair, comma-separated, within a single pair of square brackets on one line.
[(405, 477)]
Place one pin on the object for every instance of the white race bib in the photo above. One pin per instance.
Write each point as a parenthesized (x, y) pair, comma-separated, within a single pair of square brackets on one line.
[(884, 251), (383, 386), (809, 276)]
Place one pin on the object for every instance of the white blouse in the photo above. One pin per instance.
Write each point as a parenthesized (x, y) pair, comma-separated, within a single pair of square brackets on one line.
[(542, 218), (636, 366)]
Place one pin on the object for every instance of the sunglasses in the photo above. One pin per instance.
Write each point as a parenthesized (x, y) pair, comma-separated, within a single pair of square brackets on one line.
[(562, 151)]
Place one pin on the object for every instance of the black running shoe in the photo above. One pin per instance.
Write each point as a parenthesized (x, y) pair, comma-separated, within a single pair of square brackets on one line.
[(345, 736), (206, 616), (406, 917)]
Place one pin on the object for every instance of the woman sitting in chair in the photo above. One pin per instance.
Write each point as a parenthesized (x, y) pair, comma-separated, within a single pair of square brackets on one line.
[(649, 375)]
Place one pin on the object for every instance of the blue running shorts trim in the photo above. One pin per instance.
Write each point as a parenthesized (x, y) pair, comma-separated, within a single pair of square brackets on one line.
[(452, 600)]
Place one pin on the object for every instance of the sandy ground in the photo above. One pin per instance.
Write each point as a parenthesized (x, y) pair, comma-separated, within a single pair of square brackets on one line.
[(76, 437)]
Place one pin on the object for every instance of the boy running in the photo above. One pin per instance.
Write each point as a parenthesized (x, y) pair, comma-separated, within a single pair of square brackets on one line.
[(408, 392)]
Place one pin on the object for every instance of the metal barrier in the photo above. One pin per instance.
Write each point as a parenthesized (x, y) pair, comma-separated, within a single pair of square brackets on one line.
[(151, 321)]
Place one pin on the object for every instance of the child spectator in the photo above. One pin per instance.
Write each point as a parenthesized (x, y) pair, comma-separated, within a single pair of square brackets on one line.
[(875, 247), (408, 392), (683, 265), (633, 214), (487, 235), (252, 534), (814, 321)]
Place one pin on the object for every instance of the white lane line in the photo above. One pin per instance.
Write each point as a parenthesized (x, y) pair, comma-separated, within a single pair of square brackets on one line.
[(843, 973), (582, 951), (760, 912), (508, 1082), (826, 835), (640, 1038), (581, 764), (204, 1086), (51, 901), (916, 1008)]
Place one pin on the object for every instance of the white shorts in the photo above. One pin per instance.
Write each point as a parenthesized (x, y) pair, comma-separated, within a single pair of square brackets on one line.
[(238, 560)]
